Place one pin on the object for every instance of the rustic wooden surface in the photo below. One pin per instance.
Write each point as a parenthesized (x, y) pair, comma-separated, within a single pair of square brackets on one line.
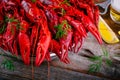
[(76, 70), (80, 62), (23, 72)]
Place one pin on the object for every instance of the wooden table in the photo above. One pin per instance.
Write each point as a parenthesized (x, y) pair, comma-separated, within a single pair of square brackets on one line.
[(76, 70)]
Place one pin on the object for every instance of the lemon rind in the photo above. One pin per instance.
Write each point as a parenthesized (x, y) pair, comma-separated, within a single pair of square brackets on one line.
[(115, 38)]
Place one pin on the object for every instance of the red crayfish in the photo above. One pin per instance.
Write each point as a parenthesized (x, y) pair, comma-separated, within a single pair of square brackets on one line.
[(43, 27)]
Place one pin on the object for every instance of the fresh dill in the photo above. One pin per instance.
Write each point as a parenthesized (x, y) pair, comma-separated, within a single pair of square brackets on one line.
[(8, 64), (62, 29), (98, 60)]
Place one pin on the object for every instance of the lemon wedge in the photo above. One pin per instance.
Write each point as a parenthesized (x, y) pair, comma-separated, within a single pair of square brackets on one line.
[(119, 32), (106, 32)]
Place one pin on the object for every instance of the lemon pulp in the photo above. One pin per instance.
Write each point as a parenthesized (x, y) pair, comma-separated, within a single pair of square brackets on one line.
[(106, 32), (119, 32)]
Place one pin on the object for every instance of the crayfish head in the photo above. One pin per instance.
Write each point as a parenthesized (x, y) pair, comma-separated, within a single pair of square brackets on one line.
[(37, 18), (34, 14)]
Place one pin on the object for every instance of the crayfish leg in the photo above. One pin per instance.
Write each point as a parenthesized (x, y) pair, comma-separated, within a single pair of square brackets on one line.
[(24, 45)]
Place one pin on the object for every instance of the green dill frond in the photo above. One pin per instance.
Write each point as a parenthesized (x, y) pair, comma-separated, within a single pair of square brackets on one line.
[(62, 29)]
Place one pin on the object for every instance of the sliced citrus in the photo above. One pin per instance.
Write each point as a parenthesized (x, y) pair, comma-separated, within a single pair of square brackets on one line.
[(106, 32), (119, 32)]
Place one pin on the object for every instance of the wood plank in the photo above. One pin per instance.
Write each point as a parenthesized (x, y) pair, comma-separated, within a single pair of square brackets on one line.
[(75, 70), (23, 72), (81, 63)]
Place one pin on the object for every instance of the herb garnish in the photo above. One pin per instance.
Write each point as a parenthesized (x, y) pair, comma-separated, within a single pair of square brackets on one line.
[(33, 1), (98, 60), (2, 29), (8, 64), (63, 11), (67, 2), (62, 29), (10, 20)]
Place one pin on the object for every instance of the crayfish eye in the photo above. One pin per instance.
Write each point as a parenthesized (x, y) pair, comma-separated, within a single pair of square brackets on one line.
[(11, 12), (39, 17), (35, 19)]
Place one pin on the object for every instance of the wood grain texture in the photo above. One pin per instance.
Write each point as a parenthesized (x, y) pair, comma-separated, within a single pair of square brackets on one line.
[(80, 63), (76, 70), (23, 72)]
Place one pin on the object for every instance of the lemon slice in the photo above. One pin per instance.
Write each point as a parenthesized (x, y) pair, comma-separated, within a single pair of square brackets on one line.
[(106, 32), (119, 32)]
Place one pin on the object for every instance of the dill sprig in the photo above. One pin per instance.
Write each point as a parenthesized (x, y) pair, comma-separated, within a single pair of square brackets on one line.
[(67, 2), (8, 64), (2, 29), (63, 11), (62, 29), (33, 1), (98, 60), (10, 20)]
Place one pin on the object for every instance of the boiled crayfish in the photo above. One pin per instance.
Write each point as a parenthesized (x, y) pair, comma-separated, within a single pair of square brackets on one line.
[(44, 26)]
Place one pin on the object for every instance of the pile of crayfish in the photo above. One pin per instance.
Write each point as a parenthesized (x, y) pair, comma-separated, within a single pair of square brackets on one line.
[(42, 27)]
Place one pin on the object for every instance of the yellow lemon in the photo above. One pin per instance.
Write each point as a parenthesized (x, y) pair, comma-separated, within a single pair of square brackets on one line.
[(119, 32), (106, 32)]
